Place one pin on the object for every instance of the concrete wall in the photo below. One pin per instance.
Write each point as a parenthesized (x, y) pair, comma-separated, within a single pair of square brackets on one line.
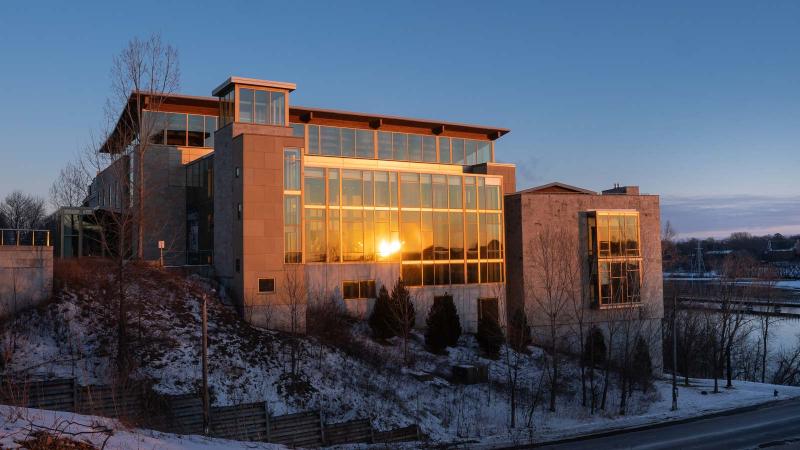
[(529, 215), (26, 277)]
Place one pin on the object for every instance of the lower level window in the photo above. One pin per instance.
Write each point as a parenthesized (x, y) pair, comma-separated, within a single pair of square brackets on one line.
[(361, 289), (266, 285)]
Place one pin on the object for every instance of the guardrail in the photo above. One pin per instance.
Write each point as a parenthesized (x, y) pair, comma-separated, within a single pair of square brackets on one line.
[(30, 238)]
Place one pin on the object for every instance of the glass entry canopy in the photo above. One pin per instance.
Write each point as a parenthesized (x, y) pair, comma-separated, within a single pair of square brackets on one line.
[(248, 100)]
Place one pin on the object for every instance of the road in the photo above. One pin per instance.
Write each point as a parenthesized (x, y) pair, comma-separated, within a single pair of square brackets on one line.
[(775, 426)]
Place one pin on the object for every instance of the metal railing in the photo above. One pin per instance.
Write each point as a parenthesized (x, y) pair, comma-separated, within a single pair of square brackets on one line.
[(28, 238)]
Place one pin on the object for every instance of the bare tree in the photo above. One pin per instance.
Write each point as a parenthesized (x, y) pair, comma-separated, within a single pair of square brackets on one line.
[(404, 314), (553, 289), (295, 298), (71, 188), (766, 293), (143, 75), (22, 211)]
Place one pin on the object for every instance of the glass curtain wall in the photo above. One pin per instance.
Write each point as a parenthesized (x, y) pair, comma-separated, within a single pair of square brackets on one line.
[(442, 229)]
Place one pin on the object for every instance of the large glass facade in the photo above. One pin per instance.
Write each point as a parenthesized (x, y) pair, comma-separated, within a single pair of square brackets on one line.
[(615, 251), (185, 130), (370, 144), (443, 229)]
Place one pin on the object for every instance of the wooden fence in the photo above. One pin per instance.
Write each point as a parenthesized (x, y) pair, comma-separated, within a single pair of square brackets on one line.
[(183, 414)]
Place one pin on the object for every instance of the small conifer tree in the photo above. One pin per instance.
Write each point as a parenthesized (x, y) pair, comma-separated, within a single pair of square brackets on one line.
[(443, 325), (490, 336), (383, 322)]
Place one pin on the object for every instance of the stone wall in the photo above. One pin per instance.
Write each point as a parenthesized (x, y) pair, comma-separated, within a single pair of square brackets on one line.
[(26, 277), (530, 214)]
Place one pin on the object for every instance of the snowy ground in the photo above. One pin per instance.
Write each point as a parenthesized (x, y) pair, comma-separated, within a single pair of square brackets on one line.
[(75, 336), (18, 425)]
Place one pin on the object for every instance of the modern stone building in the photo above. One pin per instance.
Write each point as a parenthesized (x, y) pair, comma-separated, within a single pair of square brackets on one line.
[(576, 254), (289, 203)]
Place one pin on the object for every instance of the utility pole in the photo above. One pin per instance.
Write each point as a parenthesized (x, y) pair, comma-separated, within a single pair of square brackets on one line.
[(674, 353), (206, 416)]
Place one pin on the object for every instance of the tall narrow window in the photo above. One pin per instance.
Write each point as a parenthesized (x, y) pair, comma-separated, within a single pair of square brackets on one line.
[(245, 105), (291, 169), (261, 106), (277, 113), (291, 227)]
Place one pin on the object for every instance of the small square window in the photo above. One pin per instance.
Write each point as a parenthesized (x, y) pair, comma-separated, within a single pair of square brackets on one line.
[(237, 172), (266, 285), (239, 211)]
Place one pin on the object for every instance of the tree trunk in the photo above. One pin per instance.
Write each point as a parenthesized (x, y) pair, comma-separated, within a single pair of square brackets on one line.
[(729, 369), (764, 349)]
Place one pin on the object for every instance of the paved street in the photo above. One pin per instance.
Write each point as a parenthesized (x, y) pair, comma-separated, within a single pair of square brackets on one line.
[(774, 426)]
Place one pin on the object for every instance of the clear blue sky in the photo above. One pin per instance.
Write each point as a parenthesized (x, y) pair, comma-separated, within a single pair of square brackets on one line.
[(690, 100)]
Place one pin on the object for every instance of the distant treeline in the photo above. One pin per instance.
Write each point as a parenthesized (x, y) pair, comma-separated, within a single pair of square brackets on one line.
[(679, 254)]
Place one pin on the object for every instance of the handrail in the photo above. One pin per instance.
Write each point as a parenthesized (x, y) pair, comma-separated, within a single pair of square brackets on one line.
[(21, 237)]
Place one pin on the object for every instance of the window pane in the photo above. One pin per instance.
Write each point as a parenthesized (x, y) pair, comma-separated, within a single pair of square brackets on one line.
[(414, 147), (440, 191), (441, 273), (472, 151), (393, 189), (176, 129), (350, 290), (369, 236), (492, 196), (366, 289), (291, 218), (426, 201), (428, 277), (365, 144), (399, 144), (458, 151), (368, 189), (333, 187), (278, 107), (470, 193), (298, 129), (409, 190), (471, 237), (454, 184), (484, 152), (631, 235), (441, 236), (427, 235), (330, 141), (456, 235), (197, 125), (410, 235), (352, 235), (348, 142), (313, 140), (384, 145), (262, 98), (334, 251), (314, 186), (315, 235), (291, 169), (444, 150), (352, 189), (245, 105), (210, 128), (156, 124), (429, 149), (472, 273), (381, 189), (457, 273), (412, 274)]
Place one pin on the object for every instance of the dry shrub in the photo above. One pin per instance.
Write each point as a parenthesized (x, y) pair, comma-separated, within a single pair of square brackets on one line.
[(328, 321), (41, 440)]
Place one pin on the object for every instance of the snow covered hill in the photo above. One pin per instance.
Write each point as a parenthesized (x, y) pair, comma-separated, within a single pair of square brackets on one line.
[(348, 377)]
